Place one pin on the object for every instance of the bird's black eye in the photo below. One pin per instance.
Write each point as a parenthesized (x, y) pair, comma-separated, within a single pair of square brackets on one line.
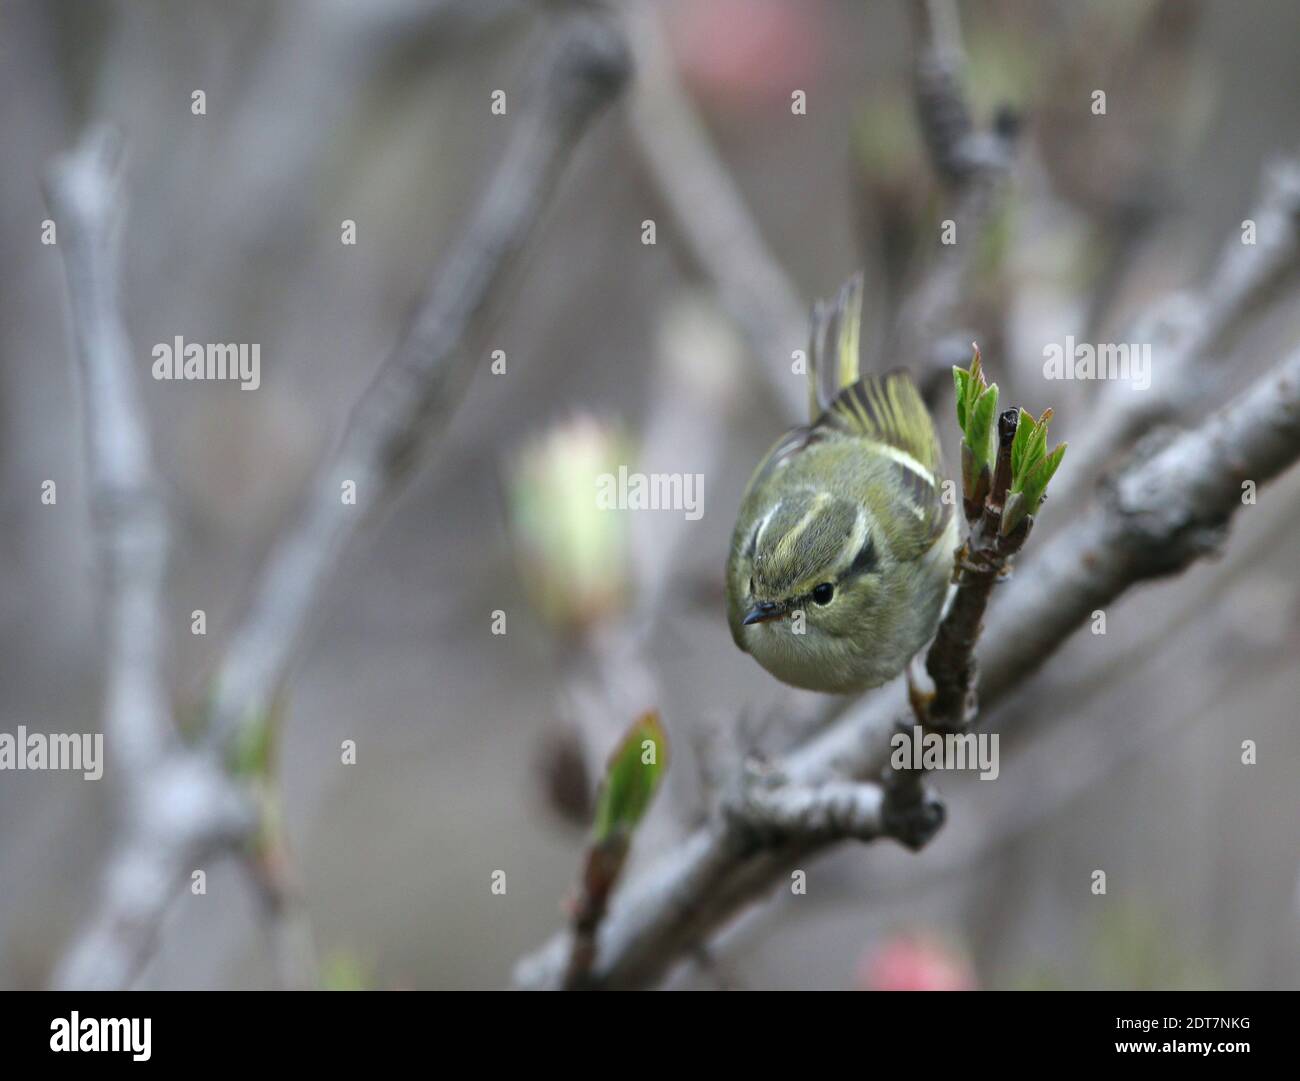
[(751, 586), (823, 593)]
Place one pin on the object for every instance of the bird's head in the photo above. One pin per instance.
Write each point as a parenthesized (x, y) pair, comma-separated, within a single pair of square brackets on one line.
[(814, 553)]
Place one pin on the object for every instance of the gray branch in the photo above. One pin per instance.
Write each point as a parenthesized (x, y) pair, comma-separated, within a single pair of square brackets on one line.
[(1188, 331), (973, 163), (183, 807), (580, 70), (187, 813), (83, 190), (180, 806), (715, 225), (810, 813), (1168, 508)]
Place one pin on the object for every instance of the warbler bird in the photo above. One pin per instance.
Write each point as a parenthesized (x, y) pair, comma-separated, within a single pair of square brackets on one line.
[(843, 548)]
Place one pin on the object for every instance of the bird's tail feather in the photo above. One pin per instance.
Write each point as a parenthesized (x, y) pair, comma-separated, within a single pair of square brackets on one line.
[(835, 350)]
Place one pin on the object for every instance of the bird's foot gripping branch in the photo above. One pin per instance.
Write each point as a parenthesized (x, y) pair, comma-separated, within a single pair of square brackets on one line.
[(1005, 469)]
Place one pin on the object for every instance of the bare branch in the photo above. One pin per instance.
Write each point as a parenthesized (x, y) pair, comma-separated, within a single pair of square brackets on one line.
[(582, 68), (1188, 331), (820, 814), (285, 917), (600, 872), (607, 676), (185, 807), (1169, 508), (83, 190), (721, 235), (973, 165), (1166, 509), (945, 120), (179, 806), (186, 814)]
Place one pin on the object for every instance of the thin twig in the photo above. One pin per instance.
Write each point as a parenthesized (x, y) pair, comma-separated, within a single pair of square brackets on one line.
[(290, 935), (600, 872), (720, 234), (1188, 332), (580, 71), (607, 677), (983, 560), (973, 163), (179, 805), (825, 812), (189, 808), (185, 816), (84, 192)]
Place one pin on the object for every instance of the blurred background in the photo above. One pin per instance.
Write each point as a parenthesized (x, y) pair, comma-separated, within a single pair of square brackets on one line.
[(474, 748)]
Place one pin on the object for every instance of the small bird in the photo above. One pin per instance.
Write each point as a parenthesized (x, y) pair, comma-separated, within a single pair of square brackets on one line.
[(843, 548)]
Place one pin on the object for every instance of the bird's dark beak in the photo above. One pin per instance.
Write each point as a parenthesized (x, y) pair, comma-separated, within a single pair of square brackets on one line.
[(762, 612)]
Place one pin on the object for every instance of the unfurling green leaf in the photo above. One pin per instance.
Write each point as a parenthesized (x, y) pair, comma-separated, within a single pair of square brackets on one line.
[(977, 405), (1031, 469), (1038, 443), (980, 433), (1024, 431), (1036, 482), (961, 381), (631, 779)]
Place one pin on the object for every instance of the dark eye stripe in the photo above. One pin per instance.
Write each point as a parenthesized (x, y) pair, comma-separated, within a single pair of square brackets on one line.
[(865, 561)]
